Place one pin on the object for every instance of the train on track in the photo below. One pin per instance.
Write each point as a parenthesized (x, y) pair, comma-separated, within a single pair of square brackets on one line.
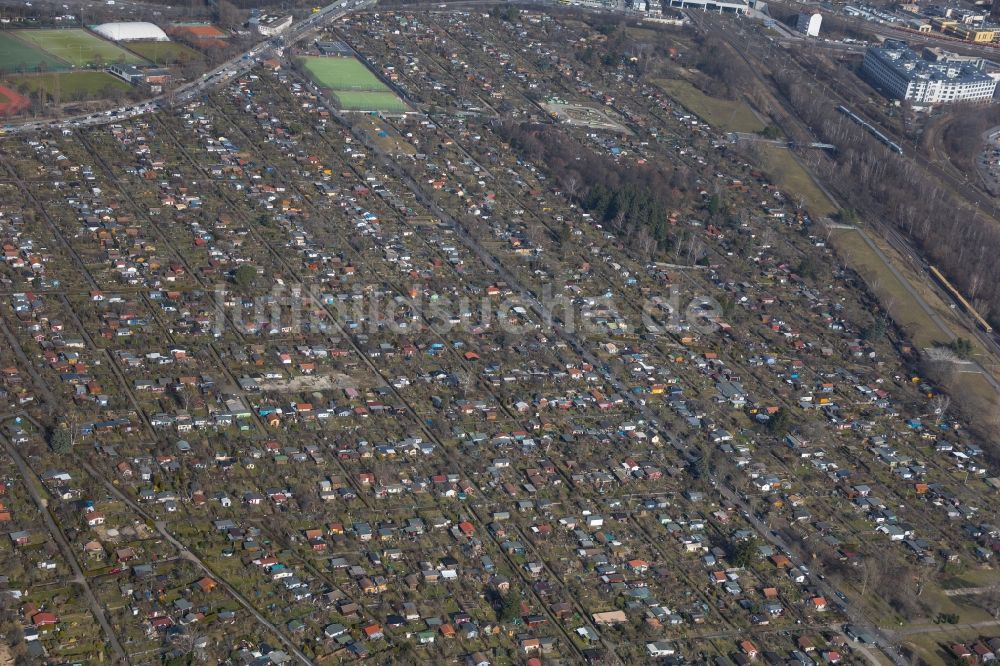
[(874, 131), (966, 305)]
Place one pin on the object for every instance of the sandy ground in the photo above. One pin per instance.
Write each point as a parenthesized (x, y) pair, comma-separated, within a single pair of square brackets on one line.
[(306, 383)]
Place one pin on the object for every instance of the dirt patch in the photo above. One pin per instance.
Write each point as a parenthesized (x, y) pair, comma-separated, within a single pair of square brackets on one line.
[(308, 383), (107, 534), (143, 531), (12, 103), (585, 116), (386, 137)]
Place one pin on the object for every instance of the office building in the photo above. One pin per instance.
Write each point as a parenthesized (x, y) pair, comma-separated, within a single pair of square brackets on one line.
[(903, 74)]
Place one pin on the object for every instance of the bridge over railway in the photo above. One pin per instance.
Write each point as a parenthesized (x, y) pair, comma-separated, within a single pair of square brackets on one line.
[(736, 137)]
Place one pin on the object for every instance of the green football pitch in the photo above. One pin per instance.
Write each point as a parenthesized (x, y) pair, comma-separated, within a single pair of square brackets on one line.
[(353, 100), (78, 47), (17, 55), (354, 85), (339, 73)]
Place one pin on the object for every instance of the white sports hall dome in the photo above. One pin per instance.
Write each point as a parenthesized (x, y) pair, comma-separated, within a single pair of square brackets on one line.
[(131, 31)]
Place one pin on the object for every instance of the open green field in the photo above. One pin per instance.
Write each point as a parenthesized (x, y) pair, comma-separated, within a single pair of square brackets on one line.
[(70, 86), (972, 578), (19, 56), (351, 100), (165, 53), (931, 645), (78, 47), (736, 116), (723, 114), (902, 306), (340, 73), (970, 387), (353, 84), (793, 179)]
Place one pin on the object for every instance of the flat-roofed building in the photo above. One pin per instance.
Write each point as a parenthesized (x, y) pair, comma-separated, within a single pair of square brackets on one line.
[(903, 74)]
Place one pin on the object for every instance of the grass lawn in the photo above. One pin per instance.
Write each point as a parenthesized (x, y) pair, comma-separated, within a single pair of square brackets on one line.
[(903, 308), (354, 85), (794, 180), (340, 73), (71, 85), (165, 53), (20, 56), (385, 137), (974, 387), (78, 47), (352, 100), (970, 386), (932, 645), (972, 578), (723, 114), (969, 608), (643, 34)]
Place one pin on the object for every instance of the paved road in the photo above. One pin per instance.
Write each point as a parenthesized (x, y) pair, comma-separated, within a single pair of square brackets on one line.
[(938, 167), (529, 299), (37, 382), (32, 482), (222, 74), (237, 66), (943, 628), (961, 591), (895, 31), (944, 329)]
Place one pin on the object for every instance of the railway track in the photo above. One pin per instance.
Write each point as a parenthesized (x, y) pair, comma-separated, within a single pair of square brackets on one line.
[(893, 236)]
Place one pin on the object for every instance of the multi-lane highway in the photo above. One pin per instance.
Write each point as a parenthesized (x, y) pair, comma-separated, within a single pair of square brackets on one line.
[(234, 67)]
